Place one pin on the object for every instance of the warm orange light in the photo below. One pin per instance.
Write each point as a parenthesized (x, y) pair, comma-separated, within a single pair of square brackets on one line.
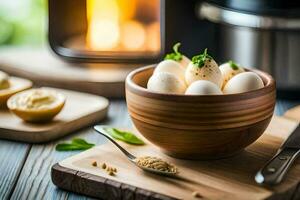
[(104, 35), (127, 9), (99, 9), (119, 25), (133, 35), (153, 33), (103, 30)]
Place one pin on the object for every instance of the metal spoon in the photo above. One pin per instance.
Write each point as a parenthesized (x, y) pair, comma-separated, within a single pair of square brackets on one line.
[(132, 158)]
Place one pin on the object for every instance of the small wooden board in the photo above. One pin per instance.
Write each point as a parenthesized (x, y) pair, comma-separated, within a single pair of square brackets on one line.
[(229, 179), (80, 110), (46, 69)]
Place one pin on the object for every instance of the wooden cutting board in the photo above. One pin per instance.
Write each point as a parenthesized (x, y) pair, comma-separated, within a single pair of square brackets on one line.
[(229, 179), (46, 69), (80, 110)]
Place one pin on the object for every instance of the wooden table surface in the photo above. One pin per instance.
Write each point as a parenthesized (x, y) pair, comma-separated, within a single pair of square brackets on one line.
[(25, 168)]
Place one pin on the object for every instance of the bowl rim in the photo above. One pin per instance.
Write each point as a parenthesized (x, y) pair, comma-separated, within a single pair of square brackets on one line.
[(268, 80)]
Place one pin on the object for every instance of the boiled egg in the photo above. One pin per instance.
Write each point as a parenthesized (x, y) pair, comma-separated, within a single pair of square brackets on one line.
[(178, 56), (184, 62), (36, 105), (203, 87), (170, 66), (165, 82), (203, 67), (229, 70), (4, 80), (10, 85), (243, 82)]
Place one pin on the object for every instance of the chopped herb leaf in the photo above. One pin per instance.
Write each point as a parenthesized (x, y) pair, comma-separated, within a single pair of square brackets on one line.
[(176, 55), (124, 136), (76, 144), (233, 65), (199, 60)]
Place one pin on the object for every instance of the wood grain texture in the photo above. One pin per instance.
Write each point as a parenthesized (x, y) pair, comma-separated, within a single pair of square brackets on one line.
[(46, 69), (35, 182), (199, 127), (13, 155), (98, 187), (12, 158), (80, 110), (293, 113), (231, 178)]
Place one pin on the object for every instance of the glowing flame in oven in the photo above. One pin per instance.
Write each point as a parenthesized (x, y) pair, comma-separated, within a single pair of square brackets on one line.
[(103, 29), (133, 35), (113, 25)]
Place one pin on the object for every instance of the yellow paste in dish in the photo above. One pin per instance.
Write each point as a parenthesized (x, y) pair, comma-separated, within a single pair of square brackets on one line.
[(36, 99), (36, 105), (10, 85)]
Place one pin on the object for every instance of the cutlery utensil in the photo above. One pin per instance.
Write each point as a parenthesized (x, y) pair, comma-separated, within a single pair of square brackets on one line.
[(100, 129), (275, 170)]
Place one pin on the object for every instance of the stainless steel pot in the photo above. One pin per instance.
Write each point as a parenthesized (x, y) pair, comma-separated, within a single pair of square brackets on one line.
[(270, 43)]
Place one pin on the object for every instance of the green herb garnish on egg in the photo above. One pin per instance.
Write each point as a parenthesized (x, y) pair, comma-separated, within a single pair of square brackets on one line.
[(200, 59), (176, 55), (233, 65)]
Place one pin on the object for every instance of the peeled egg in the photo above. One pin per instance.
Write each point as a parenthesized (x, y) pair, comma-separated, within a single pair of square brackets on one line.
[(178, 56), (228, 72), (184, 62), (170, 66), (243, 82), (165, 82), (209, 71), (203, 87)]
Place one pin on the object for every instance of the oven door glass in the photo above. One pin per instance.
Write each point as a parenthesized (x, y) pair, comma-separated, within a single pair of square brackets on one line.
[(112, 30)]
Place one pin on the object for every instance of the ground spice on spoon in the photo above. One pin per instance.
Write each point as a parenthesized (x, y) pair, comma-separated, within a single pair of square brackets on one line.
[(156, 164)]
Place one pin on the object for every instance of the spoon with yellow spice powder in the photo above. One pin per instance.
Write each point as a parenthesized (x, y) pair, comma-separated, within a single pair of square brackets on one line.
[(147, 163)]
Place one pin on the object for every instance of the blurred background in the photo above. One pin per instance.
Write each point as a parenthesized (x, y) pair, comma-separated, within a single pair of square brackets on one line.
[(23, 22), (261, 34)]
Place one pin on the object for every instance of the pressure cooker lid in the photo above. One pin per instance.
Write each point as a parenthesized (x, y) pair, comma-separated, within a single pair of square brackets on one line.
[(282, 8)]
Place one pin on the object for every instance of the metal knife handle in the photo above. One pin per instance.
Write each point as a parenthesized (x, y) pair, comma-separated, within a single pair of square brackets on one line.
[(273, 172)]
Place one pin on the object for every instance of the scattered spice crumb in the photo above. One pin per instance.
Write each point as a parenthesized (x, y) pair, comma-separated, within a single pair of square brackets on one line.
[(111, 173), (103, 166), (110, 170), (196, 194), (94, 164)]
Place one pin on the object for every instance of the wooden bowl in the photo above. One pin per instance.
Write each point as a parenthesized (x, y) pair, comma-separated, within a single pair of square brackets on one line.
[(199, 127)]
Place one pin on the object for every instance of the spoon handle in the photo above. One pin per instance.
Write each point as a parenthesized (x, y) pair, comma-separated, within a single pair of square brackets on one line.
[(101, 131)]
